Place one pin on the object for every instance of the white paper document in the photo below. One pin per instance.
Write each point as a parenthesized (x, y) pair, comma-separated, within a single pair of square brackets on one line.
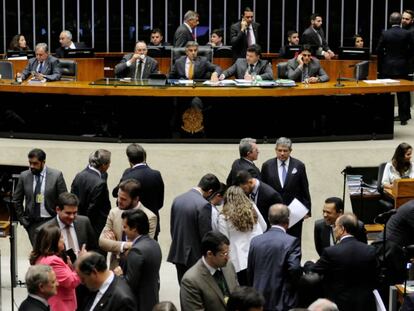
[(297, 212), (381, 81), (182, 81)]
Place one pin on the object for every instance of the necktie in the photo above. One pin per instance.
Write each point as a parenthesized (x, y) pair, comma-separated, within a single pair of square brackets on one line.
[(37, 195), (253, 196), (221, 282), (138, 70), (191, 71), (251, 68), (284, 172), (305, 72), (71, 244), (193, 34), (40, 68), (332, 235), (249, 37)]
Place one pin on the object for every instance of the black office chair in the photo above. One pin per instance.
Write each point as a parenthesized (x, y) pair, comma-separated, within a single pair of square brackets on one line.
[(224, 51), (203, 50), (69, 69), (155, 51), (6, 70), (385, 202), (282, 70)]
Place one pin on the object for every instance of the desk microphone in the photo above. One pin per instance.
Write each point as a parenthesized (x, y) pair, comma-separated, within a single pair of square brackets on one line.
[(384, 217), (338, 80), (346, 169)]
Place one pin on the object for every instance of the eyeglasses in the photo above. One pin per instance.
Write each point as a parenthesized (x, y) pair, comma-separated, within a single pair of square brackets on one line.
[(223, 254)]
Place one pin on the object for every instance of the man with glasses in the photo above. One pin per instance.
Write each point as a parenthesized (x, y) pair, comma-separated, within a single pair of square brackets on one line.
[(207, 285), (305, 68), (137, 65)]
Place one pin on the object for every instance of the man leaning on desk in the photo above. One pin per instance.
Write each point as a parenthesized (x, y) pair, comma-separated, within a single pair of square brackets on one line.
[(137, 65)]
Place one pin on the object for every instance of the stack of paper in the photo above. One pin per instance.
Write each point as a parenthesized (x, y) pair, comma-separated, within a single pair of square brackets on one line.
[(285, 82)]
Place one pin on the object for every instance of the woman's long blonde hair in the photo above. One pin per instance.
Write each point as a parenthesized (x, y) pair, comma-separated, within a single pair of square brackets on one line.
[(239, 209)]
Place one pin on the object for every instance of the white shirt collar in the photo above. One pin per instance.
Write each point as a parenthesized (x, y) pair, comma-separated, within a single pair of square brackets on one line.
[(139, 164), (279, 163), (72, 46), (41, 299), (209, 268), (106, 284), (279, 227), (256, 186), (345, 237), (61, 224), (95, 170), (188, 26)]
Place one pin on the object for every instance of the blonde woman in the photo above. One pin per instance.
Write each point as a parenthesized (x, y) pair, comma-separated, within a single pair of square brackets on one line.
[(240, 221)]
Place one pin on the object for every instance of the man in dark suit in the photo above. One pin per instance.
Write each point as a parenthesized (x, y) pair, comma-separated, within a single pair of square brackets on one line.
[(208, 284), (293, 40), (185, 32), (143, 260), (273, 264), (137, 65), (323, 230), (92, 189), (186, 237), (244, 34), (287, 176), (305, 68), (315, 36), (152, 185), (349, 269), (192, 66), (260, 193), (43, 66), (250, 66), (249, 152), (108, 291), (41, 285), (157, 38), (394, 50), (66, 43), (39, 187)]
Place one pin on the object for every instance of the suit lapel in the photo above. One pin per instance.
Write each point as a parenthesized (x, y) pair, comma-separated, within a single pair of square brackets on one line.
[(101, 305), (277, 179), (209, 281), (289, 172)]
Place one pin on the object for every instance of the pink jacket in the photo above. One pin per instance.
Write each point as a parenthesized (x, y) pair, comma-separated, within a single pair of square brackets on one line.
[(65, 300)]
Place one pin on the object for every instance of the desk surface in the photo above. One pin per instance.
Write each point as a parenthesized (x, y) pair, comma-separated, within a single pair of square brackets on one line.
[(84, 88)]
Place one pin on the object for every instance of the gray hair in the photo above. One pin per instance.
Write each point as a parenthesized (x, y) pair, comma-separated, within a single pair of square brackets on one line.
[(35, 276), (245, 146), (323, 304), (42, 46), (191, 43), (189, 15), (67, 33), (284, 141), (279, 214), (99, 157)]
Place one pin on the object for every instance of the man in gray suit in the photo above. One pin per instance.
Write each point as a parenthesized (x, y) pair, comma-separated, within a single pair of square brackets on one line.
[(305, 68), (143, 261), (39, 187), (186, 225), (137, 65), (185, 32), (252, 65), (43, 66), (207, 285)]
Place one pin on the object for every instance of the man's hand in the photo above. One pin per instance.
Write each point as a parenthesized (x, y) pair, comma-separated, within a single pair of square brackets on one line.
[(300, 60), (109, 234), (118, 271), (247, 76), (214, 77), (313, 80), (243, 24)]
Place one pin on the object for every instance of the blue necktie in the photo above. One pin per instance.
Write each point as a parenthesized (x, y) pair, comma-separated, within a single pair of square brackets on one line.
[(40, 68), (284, 172)]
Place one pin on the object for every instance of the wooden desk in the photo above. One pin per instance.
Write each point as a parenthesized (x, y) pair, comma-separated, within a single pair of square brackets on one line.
[(89, 69), (402, 191)]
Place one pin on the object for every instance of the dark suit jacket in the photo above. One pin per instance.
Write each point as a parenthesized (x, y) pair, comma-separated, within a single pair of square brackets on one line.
[(394, 49), (239, 39), (322, 235), (32, 304), (93, 195), (202, 68), (186, 237), (310, 37), (55, 185), (60, 51), (182, 36), (350, 273), (314, 70), (50, 68), (296, 183), (118, 297), (122, 70), (239, 68), (199, 290), (242, 165), (273, 268), (266, 197), (142, 272)]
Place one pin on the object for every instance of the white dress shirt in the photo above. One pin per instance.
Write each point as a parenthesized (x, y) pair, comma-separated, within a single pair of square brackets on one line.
[(102, 290), (62, 227), (280, 169), (43, 211)]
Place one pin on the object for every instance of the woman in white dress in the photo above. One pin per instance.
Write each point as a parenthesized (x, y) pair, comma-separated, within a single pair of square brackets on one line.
[(240, 220), (399, 167)]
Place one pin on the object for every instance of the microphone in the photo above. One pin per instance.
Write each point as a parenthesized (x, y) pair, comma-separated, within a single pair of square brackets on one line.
[(384, 217), (338, 80), (346, 169)]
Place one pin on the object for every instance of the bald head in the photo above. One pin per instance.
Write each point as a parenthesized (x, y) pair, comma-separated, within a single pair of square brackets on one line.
[(279, 215)]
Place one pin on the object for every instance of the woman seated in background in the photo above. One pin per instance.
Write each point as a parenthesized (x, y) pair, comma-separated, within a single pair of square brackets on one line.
[(240, 220), (399, 167), (358, 41), (49, 250), (18, 43)]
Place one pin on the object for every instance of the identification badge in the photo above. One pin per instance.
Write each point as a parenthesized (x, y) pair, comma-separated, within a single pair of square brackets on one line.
[(226, 298), (39, 198)]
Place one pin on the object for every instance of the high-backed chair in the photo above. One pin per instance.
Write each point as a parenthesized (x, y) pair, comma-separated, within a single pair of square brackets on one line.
[(6, 70), (282, 70), (385, 202), (224, 51), (203, 50), (69, 69), (155, 51)]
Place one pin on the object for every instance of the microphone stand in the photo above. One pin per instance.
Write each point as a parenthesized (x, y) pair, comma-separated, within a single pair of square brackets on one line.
[(338, 80)]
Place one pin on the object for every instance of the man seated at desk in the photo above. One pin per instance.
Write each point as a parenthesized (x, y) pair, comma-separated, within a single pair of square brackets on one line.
[(252, 65), (192, 66), (137, 65), (66, 43), (305, 68), (43, 66)]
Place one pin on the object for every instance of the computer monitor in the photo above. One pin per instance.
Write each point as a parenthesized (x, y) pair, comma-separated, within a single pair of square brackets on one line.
[(361, 70), (20, 54), (79, 53), (353, 53), (292, 50)]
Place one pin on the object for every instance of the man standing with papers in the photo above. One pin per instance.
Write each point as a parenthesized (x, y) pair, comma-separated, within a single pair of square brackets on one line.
[(287, 176)]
